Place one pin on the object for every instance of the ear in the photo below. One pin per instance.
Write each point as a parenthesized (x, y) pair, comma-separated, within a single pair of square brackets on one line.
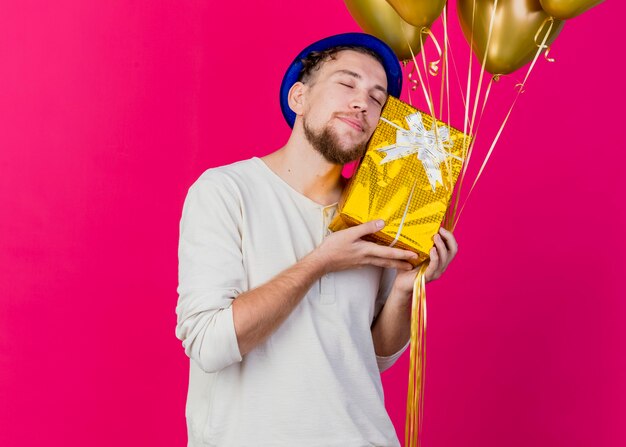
[(296, 97)]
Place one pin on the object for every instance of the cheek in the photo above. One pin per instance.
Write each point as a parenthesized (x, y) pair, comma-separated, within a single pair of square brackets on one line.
[(323, 112), (317, 116), (311, 113), (373, 121)]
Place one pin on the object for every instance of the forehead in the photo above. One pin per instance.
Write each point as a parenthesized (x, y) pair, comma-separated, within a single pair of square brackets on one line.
[(363, 64)]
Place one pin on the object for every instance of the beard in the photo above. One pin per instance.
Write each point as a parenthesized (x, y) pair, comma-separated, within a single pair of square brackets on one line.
[(327, 144)]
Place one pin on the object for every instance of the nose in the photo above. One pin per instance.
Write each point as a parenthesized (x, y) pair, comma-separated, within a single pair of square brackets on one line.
[(358, 101)]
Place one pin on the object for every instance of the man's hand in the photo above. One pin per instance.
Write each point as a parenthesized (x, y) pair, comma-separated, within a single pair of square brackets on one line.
[(257, 313), (345, 250), (441, 255), (392, 327)]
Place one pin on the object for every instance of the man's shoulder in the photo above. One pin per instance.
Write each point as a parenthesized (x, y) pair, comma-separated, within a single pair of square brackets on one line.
[(232, 170), (233, 175)]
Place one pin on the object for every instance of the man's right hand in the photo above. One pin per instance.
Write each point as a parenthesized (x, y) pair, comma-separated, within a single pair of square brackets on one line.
[(257, 313), (345, 250)]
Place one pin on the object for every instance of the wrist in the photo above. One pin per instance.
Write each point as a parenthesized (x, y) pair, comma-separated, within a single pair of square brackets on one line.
[(400, 298), (401, 291), (317, 262)]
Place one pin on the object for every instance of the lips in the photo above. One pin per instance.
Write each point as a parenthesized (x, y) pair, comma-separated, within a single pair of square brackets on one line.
[(355, 123)]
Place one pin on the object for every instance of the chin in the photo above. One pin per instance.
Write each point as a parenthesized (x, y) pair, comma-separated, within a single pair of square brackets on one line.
[(349, 141)]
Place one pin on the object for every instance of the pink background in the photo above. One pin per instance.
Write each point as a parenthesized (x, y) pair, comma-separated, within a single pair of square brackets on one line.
[(110, 110)]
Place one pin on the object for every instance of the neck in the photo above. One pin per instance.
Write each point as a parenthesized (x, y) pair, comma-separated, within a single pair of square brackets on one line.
[(306, 170)]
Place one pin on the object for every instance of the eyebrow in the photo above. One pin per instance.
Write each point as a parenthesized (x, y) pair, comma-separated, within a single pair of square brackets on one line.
[(358, 76)]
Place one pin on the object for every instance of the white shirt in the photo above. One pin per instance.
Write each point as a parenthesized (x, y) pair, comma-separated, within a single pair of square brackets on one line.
[(316, 380)]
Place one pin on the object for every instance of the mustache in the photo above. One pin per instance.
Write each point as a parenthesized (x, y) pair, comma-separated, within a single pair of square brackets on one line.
[(354, 117)]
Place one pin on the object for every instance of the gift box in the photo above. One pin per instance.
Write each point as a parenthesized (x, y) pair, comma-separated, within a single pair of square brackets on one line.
[(405, 178)]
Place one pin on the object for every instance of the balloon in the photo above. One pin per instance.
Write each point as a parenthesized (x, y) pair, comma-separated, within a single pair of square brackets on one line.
[(377, 17), (515, 25), (566, 9), (418, 12)]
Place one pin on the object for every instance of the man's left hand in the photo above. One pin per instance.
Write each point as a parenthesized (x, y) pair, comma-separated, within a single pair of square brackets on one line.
[(441, 255)]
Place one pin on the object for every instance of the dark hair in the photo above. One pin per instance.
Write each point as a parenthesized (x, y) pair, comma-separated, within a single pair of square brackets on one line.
[(315, 59)]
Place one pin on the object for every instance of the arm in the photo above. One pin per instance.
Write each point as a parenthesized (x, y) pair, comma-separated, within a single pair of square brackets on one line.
[(259, 312), (210, 272), (219, 318), (392, 329)]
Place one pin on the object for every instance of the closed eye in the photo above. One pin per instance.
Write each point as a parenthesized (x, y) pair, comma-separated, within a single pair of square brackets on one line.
[(376, 100)]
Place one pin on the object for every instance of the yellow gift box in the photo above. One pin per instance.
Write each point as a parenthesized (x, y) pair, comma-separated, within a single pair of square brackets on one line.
[(406, 178)]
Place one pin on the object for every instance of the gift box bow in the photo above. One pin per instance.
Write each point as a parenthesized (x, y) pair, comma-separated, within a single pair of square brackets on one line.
[(429, 145)]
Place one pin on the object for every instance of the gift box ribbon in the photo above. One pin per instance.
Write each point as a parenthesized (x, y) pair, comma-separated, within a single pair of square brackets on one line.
[(429, 145)]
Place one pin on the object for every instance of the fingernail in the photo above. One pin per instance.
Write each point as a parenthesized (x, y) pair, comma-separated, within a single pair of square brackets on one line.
[(380, 224)]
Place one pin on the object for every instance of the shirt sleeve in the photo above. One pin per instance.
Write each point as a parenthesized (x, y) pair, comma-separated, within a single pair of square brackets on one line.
[(210, 273), (386, 282)]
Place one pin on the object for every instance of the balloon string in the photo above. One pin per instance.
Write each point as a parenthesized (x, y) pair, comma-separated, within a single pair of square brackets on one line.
[(449, 216), (480, 78), (419, 74), (444, 69), (543, 45), (417, 365), (445, 92), (452, 211), (470, 145), (469, 79), (427, 96), (435, 127), (520, 89), (493, 144), (482, 67), (456, 71), (469, 83)]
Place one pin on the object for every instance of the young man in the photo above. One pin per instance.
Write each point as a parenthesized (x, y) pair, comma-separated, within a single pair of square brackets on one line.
[(287, 325)]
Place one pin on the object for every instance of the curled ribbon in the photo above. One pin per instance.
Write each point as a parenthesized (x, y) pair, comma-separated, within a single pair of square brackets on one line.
[(550, 22), (433, 66), (414, 82)]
